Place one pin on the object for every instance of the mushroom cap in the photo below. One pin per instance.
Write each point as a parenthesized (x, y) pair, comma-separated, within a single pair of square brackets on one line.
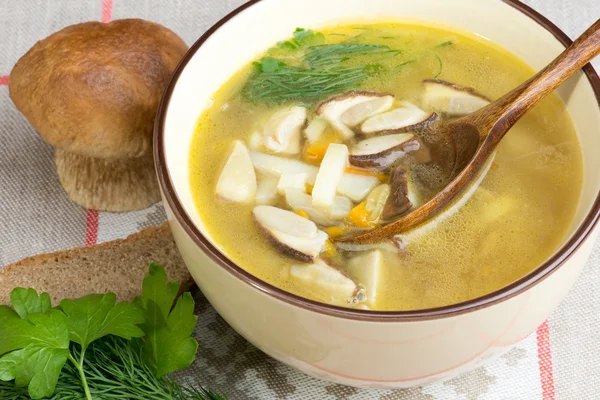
[(93, 89)]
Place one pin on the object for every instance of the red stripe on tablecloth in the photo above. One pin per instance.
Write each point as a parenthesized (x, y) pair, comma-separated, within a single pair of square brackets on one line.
[(91, 228), (106, 10), (3, 80), (545, 361)]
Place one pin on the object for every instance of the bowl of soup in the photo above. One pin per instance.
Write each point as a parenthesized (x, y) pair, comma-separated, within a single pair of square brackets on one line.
[(291, 125)]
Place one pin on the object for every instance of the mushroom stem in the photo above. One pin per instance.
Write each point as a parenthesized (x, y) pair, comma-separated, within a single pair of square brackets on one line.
[(115, 185)]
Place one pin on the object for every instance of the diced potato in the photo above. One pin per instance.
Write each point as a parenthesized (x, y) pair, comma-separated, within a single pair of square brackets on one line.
[(499, 207), (315, 129), (352, 185), (255, 141), (292, 181), (266, 192), (237, 181), (326, 279), (329, 176), (298, 200), (356, 186), (366, 270)]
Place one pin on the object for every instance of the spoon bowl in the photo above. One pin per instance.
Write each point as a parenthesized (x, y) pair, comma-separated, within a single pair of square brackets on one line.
[(464, 145)]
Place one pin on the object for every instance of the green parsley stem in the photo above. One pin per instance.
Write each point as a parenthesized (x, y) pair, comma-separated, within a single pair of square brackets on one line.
[(79, 366)]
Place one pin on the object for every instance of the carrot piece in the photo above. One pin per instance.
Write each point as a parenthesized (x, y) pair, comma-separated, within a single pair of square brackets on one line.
[(316, 151), (359, 171), (334, 231), (302, 213), (359, 216), (329, 249)]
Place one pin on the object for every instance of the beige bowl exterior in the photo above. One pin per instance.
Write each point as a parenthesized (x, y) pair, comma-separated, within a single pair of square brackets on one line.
[(361, 348)]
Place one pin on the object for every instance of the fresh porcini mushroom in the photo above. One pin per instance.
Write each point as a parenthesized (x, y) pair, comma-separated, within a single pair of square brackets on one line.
[(366, 270), (327, 278), (382, 151), (300, 201), (402, 194), (451, 99), (293, 235), (354, 186), (282, 133), (292, 181), (92, 91), (266, 191), (344, 105), (237, 181), (329, 176), (315, 129), (403, 119)]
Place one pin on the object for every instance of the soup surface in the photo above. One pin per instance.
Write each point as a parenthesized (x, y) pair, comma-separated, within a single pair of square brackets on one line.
[(515, 219)]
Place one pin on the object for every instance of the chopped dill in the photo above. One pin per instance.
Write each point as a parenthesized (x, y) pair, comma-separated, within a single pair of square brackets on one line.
[(445, 44), (284, 82), (314, 68), (115, 371), (441, 65), (329, 54)]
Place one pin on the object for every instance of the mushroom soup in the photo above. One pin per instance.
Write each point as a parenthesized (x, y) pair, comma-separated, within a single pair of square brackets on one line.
[(325, 136)]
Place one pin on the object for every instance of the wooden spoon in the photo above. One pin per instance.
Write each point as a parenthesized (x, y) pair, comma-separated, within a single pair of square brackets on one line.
[(475, 137)]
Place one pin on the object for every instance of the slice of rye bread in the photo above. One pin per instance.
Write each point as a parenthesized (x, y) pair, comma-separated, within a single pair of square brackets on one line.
[(118, 266)]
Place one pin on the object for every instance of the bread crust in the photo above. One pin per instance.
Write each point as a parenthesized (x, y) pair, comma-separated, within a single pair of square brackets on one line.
[(117, 266)]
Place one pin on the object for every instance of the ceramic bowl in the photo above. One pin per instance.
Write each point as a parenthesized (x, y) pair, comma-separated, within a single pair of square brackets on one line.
[(359, 347)]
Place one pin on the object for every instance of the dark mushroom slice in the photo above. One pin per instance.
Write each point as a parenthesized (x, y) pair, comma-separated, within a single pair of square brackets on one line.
[(293, 235), (402, 195), (353, 107), (451, 99), (406, 118), (382, 151), (328, 278)]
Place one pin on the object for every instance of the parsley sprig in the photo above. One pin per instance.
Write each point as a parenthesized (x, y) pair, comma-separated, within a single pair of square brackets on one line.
[(96, 348)]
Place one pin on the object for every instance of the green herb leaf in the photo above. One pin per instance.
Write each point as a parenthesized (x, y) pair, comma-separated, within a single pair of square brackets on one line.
[(34, 350), (168, 345), (301, 37), (270, 64), (445, 44), (27, 301), (96, 315), (328, 54), (440, 66)]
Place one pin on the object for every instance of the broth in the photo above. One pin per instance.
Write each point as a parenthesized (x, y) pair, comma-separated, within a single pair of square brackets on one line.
[(516, 218)]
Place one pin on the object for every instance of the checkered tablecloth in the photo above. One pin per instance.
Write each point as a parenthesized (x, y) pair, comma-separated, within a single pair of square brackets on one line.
[(560, 361)]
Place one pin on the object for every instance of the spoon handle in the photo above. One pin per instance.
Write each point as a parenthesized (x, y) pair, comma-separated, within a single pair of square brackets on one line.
[(504, 112)]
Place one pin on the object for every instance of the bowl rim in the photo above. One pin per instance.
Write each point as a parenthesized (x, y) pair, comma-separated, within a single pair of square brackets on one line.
[(521, 285)]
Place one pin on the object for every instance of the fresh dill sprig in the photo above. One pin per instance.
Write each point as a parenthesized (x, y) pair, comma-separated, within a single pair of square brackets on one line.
[(115, 370), (314, 69), (328, 54), (284, 82), (445, 44)]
